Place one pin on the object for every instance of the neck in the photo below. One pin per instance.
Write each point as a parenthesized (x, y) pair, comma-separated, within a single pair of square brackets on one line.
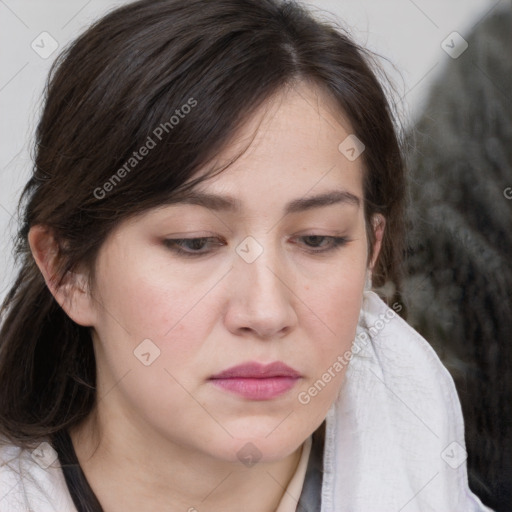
[(127, 472)]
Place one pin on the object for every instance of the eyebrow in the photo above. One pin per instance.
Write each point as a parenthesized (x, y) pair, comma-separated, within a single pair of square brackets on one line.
[(230, 204)]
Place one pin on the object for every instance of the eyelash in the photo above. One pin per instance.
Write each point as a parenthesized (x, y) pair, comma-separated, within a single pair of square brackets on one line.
[(173, 245)]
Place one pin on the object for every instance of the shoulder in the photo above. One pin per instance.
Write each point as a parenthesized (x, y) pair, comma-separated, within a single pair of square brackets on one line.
[(32, 479)]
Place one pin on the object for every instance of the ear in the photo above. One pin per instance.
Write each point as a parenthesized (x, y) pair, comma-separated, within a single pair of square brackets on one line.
[(378, 224), (72, 294)]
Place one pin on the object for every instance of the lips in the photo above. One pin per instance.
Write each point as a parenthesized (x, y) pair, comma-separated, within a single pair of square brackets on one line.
[(254, 370), (255, 381)]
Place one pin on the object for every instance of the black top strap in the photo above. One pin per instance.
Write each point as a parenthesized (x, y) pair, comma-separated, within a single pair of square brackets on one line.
[(83, 496)]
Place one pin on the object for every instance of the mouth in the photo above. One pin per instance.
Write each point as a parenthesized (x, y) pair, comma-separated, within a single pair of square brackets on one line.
[(256, 381)]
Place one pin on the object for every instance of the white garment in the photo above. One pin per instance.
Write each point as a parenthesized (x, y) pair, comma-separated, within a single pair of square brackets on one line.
[(394, 436), (39, 490)]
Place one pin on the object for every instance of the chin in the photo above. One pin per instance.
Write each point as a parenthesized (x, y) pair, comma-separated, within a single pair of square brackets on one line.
[(249, 452), (264, 445)]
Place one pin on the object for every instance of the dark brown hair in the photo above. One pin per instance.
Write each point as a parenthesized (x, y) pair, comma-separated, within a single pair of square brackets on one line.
[(134, 71)]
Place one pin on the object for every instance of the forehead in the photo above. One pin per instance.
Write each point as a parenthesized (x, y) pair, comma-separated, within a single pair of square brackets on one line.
[(288, 148)]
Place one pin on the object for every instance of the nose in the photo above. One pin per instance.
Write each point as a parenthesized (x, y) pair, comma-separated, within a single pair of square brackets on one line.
[(262, 299)]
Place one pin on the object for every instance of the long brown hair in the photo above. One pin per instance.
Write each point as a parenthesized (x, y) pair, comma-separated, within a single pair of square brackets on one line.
[(196, 70)]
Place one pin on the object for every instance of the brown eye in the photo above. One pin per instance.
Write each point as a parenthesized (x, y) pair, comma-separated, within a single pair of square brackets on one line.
[(316, 242), (190, 246)]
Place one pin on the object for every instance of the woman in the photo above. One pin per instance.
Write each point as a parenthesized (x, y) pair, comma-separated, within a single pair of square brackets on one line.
[(192, 328)]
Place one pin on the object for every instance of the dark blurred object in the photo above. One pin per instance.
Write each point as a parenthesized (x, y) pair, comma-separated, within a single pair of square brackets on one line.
[(458, 292)]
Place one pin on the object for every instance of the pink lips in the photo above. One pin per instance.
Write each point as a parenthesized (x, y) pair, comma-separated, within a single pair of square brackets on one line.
[(256, 381)]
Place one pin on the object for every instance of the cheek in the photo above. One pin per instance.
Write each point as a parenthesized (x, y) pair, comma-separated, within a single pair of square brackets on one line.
[(335, 298), (145, 300), (331, 323), (139, 311), (150, 335)]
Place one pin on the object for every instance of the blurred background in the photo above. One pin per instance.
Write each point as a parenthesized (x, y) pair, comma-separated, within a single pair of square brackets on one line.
[(450, 63)]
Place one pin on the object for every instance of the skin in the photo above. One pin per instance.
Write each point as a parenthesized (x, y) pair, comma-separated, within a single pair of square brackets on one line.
[(162, 437)]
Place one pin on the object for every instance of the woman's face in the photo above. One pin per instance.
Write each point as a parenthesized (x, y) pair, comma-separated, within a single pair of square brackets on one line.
[(274, 277)]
